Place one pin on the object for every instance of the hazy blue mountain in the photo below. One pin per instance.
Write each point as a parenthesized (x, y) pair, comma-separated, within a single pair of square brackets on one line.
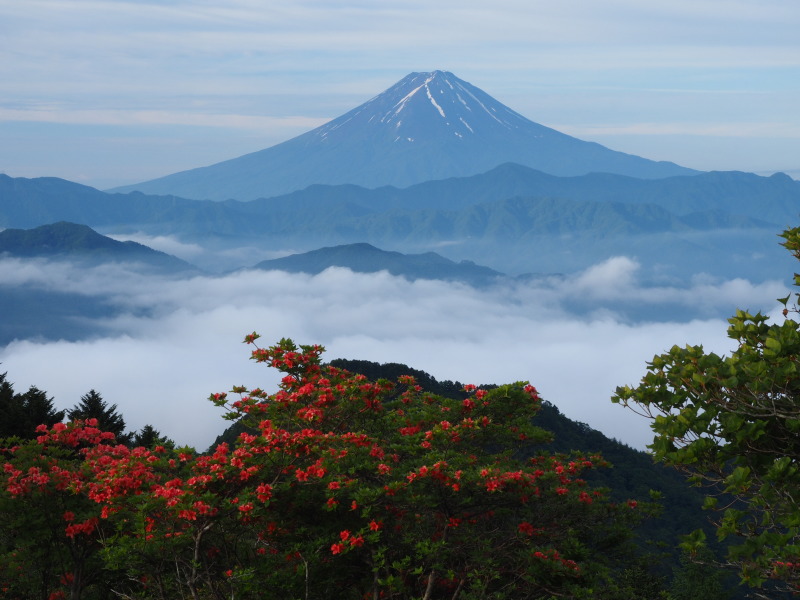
[(365, 258), (513, 219), (426, 126), (35, 311), (24, 202), (32, 202), (766, 198), (71, 241)]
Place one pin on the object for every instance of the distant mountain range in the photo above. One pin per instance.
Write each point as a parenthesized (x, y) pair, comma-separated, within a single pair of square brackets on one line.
[(36, 311), (760, 201), (512, 219), (71, 241), (434, 164), (457, 173), (427, 126), (365, 258)]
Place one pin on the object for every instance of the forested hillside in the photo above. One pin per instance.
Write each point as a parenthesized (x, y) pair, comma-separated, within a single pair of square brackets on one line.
[(336, 481)]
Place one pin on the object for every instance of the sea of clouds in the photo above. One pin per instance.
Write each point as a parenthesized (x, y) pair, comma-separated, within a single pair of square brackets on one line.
[(174, 341)]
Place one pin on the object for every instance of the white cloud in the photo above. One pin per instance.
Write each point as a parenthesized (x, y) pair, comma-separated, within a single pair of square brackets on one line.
[(614, 281), (608, 277), (163, 362), (144, 117), (163, 243), (739, 129), (100, 75)]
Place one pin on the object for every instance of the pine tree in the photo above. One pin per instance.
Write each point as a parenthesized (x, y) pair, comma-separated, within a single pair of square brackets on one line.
[(149, 437), (92, 406), (9, 414), (20, 414)]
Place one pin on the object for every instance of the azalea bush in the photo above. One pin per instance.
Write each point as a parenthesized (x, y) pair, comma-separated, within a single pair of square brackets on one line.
[(50, 530), (337, 486)]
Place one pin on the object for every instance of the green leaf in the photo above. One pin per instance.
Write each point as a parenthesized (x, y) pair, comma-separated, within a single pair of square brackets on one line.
[(773, 344)]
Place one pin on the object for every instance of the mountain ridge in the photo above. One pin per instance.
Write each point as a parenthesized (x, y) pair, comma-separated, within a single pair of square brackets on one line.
[(720, 223), (65, 240), (365, 258), (34, 310)]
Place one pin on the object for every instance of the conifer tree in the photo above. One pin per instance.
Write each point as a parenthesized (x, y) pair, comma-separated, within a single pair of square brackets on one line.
[(20, 414), (8, 411), (149, 437), (92, 406)]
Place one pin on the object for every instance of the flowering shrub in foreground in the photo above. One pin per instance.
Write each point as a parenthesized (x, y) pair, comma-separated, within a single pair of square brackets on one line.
[(371, 489)]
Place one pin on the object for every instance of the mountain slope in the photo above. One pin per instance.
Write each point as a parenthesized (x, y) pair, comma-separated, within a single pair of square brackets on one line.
[(427, 126), (513, 219), (365, 258), (771, 198), (26, 203), (64, 240), (35, 310)]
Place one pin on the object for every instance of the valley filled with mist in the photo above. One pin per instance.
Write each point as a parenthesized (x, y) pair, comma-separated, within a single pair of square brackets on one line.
[(572, 279), (158, 344)]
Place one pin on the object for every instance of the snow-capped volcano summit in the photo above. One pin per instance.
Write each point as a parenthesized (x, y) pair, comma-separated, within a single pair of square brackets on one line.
[(426, 126), (427, 106)]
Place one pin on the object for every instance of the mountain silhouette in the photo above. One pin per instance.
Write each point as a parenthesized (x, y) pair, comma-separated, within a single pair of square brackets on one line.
[(427, 126), (366, 258), (73, 241)]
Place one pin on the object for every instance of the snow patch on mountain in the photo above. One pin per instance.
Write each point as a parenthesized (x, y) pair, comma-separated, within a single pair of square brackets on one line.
[(404, 109), (430, 97), (426, 126), (402, 104)]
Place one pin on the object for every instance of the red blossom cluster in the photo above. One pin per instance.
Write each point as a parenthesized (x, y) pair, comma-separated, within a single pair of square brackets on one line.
[(388, 467), (554, 557)]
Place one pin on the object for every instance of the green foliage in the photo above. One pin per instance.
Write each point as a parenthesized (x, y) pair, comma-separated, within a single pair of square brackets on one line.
[(150, 437), (369, 488), (42, 555), (92, 406), (634, 474), (698, 577), (636, 581), (731, 424), (21, 413)]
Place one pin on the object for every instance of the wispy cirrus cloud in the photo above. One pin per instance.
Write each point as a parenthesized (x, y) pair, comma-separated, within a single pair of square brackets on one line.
[(104, 74), (128, 118)]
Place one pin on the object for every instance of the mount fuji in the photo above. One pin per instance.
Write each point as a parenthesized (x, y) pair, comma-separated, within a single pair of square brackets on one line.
[(426, 126)]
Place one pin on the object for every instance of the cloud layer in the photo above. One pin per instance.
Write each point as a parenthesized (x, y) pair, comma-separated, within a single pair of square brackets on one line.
[(177, 341)]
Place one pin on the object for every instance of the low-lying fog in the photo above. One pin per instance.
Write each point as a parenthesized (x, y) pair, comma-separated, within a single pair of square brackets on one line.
[(172, 342)]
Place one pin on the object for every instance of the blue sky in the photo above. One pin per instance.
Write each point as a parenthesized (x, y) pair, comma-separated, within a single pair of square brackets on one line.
[(109, 92)]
